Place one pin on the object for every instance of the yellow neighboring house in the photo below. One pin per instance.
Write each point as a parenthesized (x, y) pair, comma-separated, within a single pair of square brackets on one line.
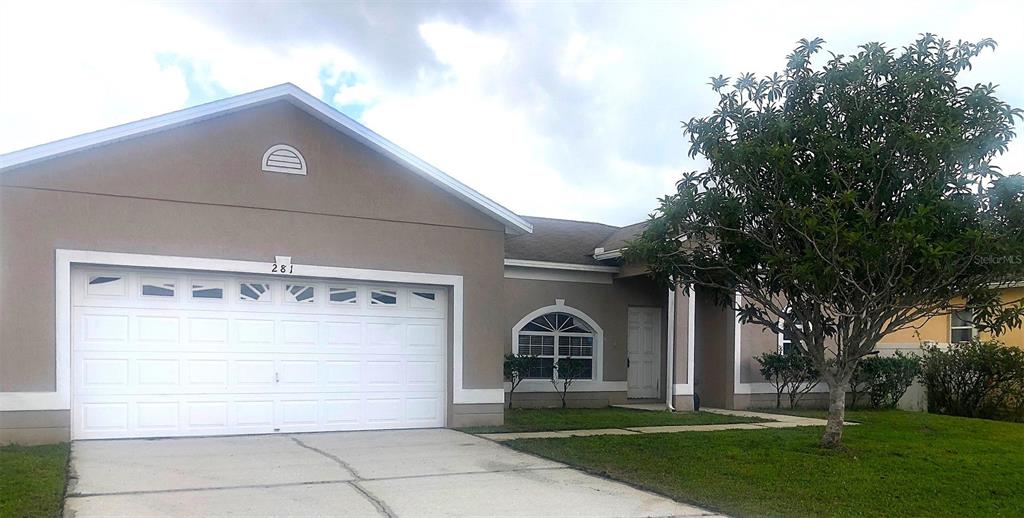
[(956, 327)]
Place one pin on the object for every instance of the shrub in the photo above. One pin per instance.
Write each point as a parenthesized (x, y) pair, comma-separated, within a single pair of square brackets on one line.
[(885, 380), (791, 373), (569, 370), (516, 369), (975, 379)]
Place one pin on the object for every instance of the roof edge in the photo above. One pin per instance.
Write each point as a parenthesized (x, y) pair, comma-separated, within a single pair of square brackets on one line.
[(548, 265), (299, 98)]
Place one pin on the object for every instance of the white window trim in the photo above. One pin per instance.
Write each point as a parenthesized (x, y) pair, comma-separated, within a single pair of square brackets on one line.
[(60, 398), (972, 327), (597, 370), (782, 335)]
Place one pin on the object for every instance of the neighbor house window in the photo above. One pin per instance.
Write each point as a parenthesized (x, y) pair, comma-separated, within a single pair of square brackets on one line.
[(553, 336), (961, 326)]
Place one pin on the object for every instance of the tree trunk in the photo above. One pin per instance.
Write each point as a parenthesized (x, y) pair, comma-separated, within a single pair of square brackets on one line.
[(833, 437)]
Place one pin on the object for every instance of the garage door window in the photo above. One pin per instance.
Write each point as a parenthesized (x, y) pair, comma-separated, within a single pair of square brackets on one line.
[(157, 287), (207, 290), (383, 298), (423, 299), (344, 296), (254, 291), (300, 293), (108, 285)]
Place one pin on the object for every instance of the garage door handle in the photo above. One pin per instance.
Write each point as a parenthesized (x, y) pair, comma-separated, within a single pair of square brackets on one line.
[(277, 377)]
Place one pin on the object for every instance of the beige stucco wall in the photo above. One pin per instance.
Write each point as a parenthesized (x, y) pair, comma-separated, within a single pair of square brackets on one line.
[(198, 191), (607, 304), (755, 340), (712, 351)]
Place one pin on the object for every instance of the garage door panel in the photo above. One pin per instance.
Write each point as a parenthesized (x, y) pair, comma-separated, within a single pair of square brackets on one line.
[(157, 416), (292, 372), (150, 358), (258, 372), (343, 335), (111, 372), (154, 372), (300, 332), (254, 413)]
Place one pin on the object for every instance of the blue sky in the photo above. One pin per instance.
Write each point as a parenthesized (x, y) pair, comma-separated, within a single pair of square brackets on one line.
[(552, 109)]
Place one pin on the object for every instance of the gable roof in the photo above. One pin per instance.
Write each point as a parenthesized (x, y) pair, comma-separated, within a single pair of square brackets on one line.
[(299, 98), (559, 241)]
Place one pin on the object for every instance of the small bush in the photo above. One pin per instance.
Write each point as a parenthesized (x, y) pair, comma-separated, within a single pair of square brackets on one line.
[(517, 368), (975, 379), (885, 380), (569, 370), (792, 374)]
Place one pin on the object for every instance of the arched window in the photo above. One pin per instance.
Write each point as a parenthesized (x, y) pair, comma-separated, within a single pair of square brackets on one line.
[(558, 332)]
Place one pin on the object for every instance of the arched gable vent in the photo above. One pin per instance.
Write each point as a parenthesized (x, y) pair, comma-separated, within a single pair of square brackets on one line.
[(283, 158)]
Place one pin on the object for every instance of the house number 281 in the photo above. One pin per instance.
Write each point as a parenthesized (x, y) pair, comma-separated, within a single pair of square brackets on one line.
[(283, 268)]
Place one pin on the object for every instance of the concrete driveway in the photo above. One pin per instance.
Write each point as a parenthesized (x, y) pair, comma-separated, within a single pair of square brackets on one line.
[(433, 472)]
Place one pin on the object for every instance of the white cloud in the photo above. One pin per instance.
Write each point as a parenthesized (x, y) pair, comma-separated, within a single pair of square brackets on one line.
[(562, 110), (97, 65)]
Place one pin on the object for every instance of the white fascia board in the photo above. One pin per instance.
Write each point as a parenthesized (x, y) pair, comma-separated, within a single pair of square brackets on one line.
[(299, 98), (525, 263)]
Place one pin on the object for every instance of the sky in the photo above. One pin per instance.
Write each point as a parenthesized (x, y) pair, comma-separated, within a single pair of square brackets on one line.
[(567, 110)]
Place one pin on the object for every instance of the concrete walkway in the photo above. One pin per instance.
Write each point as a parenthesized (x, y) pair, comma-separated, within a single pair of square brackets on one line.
[(434, 472), (775, 421)]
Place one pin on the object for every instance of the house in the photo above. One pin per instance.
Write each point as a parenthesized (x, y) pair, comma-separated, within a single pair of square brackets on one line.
[(265, 264)]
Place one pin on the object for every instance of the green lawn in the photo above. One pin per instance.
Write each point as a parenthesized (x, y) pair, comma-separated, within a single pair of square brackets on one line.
[(32, 480), (547, 419), (894, 464)]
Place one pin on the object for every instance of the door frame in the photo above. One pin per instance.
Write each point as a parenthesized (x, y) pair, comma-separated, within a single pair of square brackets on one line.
[(658, 368), (60, 398)]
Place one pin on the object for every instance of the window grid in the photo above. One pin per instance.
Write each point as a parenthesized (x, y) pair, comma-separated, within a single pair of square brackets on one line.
[(961, 326), (540, 336)]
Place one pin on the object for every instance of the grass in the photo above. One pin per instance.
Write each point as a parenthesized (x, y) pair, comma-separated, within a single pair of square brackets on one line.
[(32, 479), (548, 419), (893, 464)]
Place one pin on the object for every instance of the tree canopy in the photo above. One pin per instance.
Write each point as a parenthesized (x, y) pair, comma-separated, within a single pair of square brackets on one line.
[(849, 200)]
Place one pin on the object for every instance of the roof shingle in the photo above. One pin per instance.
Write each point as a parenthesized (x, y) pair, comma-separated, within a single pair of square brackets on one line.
[(566, 241)]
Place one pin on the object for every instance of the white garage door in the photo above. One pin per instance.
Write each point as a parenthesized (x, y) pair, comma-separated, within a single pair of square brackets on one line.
[(163, 353)]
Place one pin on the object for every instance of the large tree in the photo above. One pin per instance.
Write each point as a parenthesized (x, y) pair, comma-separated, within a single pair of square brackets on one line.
[(849, 200)]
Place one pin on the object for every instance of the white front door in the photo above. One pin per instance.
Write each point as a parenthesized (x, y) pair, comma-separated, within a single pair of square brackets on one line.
[(643, 372), (173, 353)]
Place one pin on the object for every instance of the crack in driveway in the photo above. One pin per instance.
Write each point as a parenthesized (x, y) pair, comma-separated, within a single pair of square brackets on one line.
[(379, 504)]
